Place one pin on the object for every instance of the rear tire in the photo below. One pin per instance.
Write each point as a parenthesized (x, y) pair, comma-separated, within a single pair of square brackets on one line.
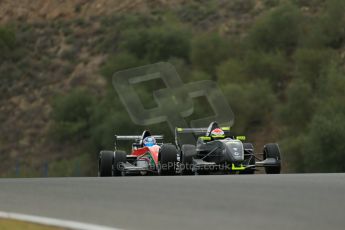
[(120, 157), (167, 160), (188, 152), (272, 151), (105, 163)]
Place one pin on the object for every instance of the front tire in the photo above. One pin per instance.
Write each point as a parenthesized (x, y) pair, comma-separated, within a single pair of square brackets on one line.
[(105, 163), (272, 151), (167, 160)]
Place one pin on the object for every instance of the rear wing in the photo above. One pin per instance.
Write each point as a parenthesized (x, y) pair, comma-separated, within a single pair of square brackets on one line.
[(199, 131), (196, 131), (191, 134), (135, 137)]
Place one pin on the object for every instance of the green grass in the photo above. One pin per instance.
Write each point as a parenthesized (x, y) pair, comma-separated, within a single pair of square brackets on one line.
[(6, 224)]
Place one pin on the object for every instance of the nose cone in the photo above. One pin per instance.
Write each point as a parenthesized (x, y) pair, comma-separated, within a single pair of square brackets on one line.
[(234, 150)]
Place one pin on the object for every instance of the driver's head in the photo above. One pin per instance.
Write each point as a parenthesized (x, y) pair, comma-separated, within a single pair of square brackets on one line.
[(149, 141), (217, 133)]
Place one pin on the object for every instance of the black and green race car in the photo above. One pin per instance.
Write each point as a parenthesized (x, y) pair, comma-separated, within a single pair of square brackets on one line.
[(218, 151)]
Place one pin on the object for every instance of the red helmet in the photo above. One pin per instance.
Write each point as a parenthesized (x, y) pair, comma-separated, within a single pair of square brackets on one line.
[(217, 133)]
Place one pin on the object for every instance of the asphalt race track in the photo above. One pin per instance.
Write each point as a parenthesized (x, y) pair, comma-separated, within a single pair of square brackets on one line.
[(290, 201)]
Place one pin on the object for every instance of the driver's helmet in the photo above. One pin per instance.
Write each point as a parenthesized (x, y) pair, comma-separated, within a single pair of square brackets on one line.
[(149, 141), (217, 133)]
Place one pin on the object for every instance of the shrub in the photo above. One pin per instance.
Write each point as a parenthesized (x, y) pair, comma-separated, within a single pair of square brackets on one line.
[(109, 118), (273, 67), (292, 148), (319, 142), (252, 103), (71, 115), (332, 84), (157, 43), (7, 41), (199, 76), (333, 23), (208, 51), (325, 146), (7, 37), (326, 30), (232, 71), (296, 113), (310, 63), (119, 62), (75, 166), (279, 29), (113, 27)]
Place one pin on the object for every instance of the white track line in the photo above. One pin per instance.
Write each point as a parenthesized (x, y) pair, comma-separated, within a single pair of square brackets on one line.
[(54, 222)]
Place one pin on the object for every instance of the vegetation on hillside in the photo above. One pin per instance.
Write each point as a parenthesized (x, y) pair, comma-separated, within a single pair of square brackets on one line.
[(283, 77)]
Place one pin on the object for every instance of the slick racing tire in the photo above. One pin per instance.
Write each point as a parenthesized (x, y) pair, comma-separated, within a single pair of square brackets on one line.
[(249, 149), (167, 160), (272, 151), (188, 152), (105, 163), (119, 157)]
